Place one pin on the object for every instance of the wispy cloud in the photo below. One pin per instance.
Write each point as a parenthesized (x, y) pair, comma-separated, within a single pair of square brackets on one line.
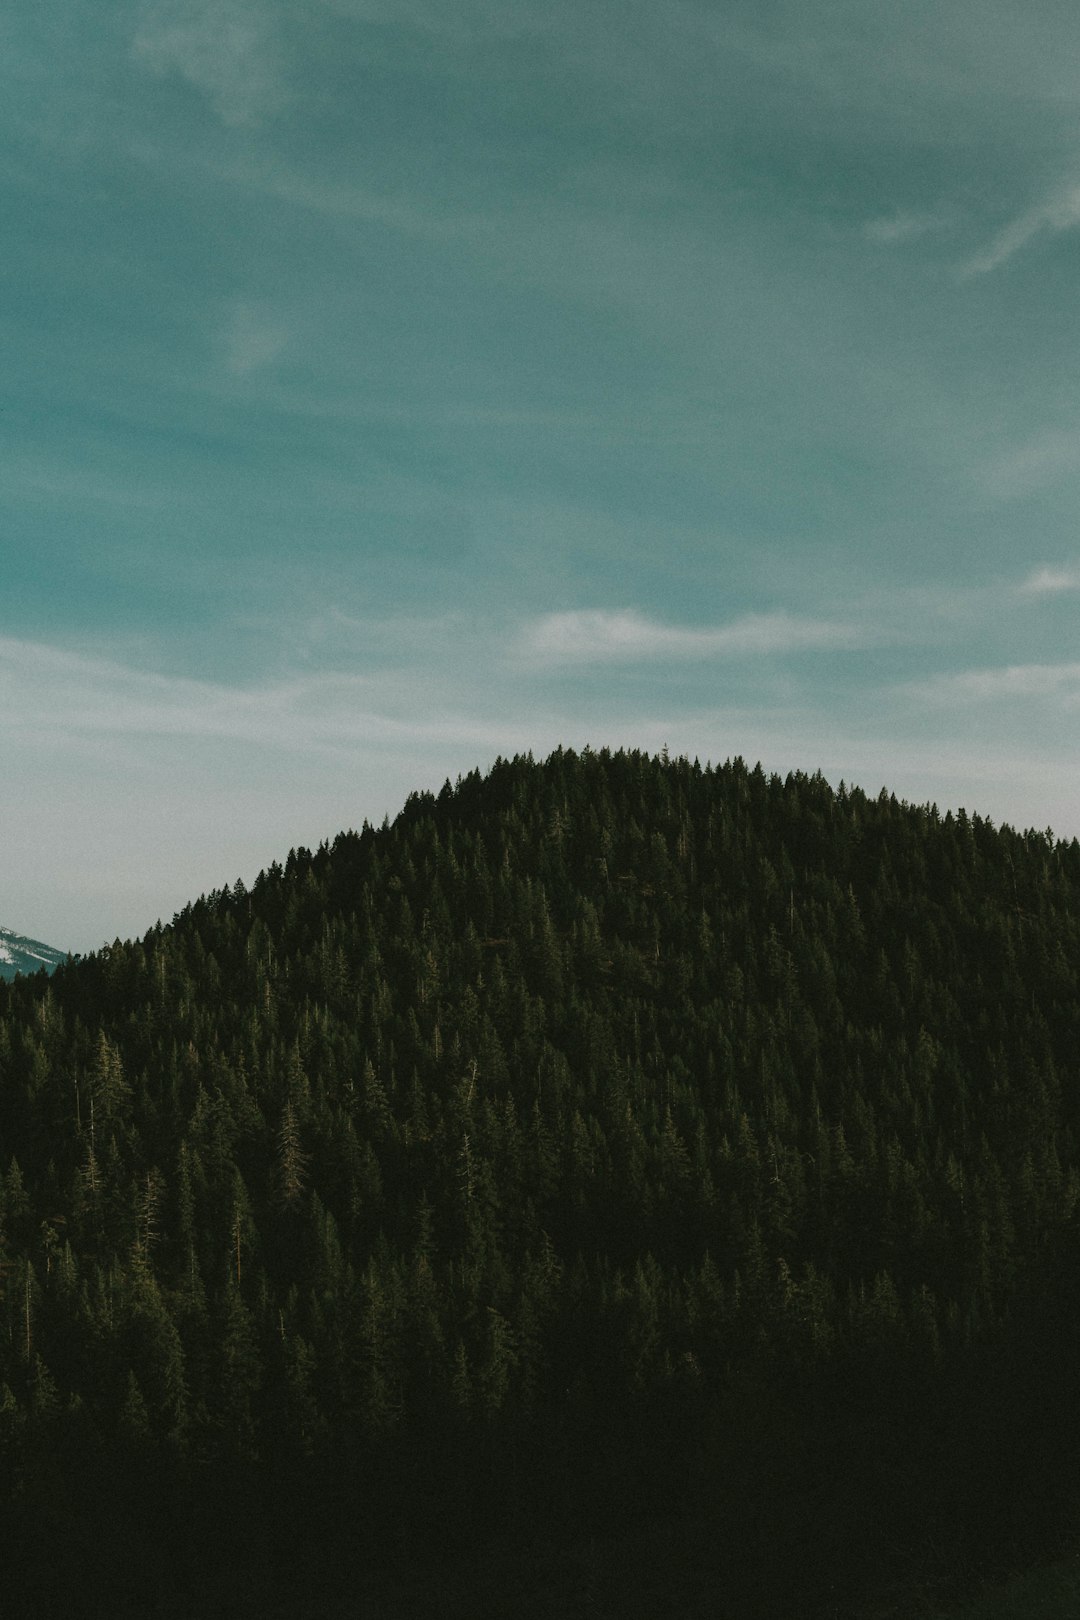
[(468, 18), (1061, 681), (221, 47), (1033, 465), (1050, 581), (424, 216), (626, 636), (1058, 211), (253, 337), (46, 690), (892, 229)]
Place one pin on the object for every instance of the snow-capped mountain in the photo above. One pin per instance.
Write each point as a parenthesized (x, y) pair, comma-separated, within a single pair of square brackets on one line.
[(21, 955)]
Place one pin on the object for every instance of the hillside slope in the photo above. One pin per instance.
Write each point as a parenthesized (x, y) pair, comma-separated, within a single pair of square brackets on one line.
[(21, 955), (608, 1144)]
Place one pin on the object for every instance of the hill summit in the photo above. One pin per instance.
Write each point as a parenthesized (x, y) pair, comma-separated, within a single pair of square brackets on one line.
[(674, 1164)]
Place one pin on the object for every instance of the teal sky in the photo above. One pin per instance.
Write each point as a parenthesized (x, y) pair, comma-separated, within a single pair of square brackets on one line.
[(389, 384)]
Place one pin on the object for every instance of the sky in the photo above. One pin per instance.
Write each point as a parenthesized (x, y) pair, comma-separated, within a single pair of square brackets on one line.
[(388, 385)]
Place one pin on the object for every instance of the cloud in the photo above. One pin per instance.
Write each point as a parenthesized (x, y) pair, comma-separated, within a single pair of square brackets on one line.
[(1047, 459), (1050, 581), (426, 217), (1060, 211), (901, 227), (220, 47), (48, 692), (252, 338), (994, 685), (626, 636), (468, 18)]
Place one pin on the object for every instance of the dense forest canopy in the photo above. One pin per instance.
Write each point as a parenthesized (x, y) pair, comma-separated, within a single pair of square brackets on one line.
[(610, 1141)]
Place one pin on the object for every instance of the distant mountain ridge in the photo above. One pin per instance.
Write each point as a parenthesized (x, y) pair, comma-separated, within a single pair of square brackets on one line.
[(21, 955)]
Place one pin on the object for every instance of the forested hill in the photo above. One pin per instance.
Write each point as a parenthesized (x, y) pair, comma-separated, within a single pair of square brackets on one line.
[(609, 1147)]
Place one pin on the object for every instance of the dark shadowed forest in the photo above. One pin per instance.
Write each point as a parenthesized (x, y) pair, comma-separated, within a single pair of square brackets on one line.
[(619, 1187)]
